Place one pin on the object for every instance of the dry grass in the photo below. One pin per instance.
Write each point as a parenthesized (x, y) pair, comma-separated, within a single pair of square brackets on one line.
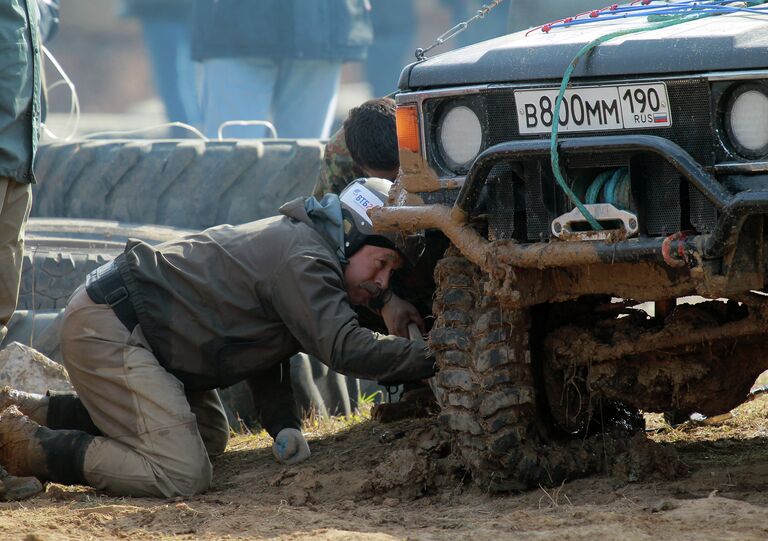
[(319, 426), (748, 421), (315, 427)]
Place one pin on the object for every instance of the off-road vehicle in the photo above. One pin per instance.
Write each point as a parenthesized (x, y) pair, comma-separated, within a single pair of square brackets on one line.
[(662, 194)]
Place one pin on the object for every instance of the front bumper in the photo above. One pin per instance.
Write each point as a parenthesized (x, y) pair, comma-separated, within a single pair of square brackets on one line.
[(733, 210)]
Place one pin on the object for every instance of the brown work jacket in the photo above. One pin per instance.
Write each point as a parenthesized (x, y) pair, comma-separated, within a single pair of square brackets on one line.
[(230, 302)]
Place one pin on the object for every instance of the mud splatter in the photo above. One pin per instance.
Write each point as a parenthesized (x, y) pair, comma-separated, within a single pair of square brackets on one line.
[(416, 175)]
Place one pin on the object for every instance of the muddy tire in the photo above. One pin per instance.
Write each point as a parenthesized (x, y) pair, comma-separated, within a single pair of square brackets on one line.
[(485, 383), (487, 390)]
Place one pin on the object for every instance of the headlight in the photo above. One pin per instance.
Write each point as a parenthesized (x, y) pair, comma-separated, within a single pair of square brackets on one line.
[(746, 120), (460, 136)]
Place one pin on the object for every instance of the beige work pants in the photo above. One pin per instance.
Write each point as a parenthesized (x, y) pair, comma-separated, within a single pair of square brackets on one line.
[(15, 201), (157, 437)]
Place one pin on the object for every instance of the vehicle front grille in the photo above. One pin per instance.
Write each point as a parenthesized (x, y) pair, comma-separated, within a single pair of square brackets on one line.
[(665, 202)]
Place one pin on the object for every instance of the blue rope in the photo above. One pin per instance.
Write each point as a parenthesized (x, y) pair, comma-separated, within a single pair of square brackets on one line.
[(619, 181), (614, 185), (659, 13), (553, 151), (593, 192)]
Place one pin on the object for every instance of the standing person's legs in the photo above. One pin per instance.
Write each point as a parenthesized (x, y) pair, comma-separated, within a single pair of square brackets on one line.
[(237, 89), (394, 31), (152, 445), (16, 200), (168, 43), (305, 98)]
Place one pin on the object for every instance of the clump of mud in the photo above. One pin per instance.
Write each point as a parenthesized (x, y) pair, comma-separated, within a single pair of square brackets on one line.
[(644, 459), (625, 458), (420, 465), (303, 486)]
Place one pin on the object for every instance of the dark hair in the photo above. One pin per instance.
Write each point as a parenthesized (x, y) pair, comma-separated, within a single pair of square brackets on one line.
[(371, 134)]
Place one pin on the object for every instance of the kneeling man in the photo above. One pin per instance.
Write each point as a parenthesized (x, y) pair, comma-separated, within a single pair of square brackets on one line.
[(152, 334)]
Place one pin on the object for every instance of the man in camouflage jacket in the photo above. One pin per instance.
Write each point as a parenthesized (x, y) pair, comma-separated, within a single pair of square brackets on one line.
[(365, 146), (338, 169)]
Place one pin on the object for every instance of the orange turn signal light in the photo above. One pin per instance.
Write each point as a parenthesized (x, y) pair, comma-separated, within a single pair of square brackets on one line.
[(408, 128)]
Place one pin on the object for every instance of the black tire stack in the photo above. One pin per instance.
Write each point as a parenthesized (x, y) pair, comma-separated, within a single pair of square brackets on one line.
[(186, 183), (60, 252), (179, 183)]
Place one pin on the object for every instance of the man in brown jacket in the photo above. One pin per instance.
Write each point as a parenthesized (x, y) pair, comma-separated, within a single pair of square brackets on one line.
[(151, 335)]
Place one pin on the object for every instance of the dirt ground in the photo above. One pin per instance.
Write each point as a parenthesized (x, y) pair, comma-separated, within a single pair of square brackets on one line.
[(368, 481)]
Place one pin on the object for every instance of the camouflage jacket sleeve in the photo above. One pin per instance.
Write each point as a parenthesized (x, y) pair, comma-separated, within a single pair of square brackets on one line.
[(338, 168)]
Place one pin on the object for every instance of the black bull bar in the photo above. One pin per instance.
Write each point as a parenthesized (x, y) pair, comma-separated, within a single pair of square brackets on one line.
[(733, 209)]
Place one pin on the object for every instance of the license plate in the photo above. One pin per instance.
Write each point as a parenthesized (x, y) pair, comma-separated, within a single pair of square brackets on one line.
[(595, 108)]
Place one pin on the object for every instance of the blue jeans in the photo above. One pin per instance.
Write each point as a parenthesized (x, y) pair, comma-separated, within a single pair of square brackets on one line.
[(168, 44), (297, 96), (394, 29)]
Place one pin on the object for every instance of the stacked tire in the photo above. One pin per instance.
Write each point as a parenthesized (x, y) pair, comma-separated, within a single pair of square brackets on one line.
[(58, 255), (185, 183)]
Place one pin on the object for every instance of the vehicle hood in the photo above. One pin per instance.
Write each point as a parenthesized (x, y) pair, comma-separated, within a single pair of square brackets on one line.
[(717, 43)]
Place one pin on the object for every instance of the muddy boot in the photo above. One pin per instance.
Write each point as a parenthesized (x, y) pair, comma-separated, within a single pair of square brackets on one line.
[(26, 448), (21, 452), (34, 406), (17, 488), (55, 409)]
